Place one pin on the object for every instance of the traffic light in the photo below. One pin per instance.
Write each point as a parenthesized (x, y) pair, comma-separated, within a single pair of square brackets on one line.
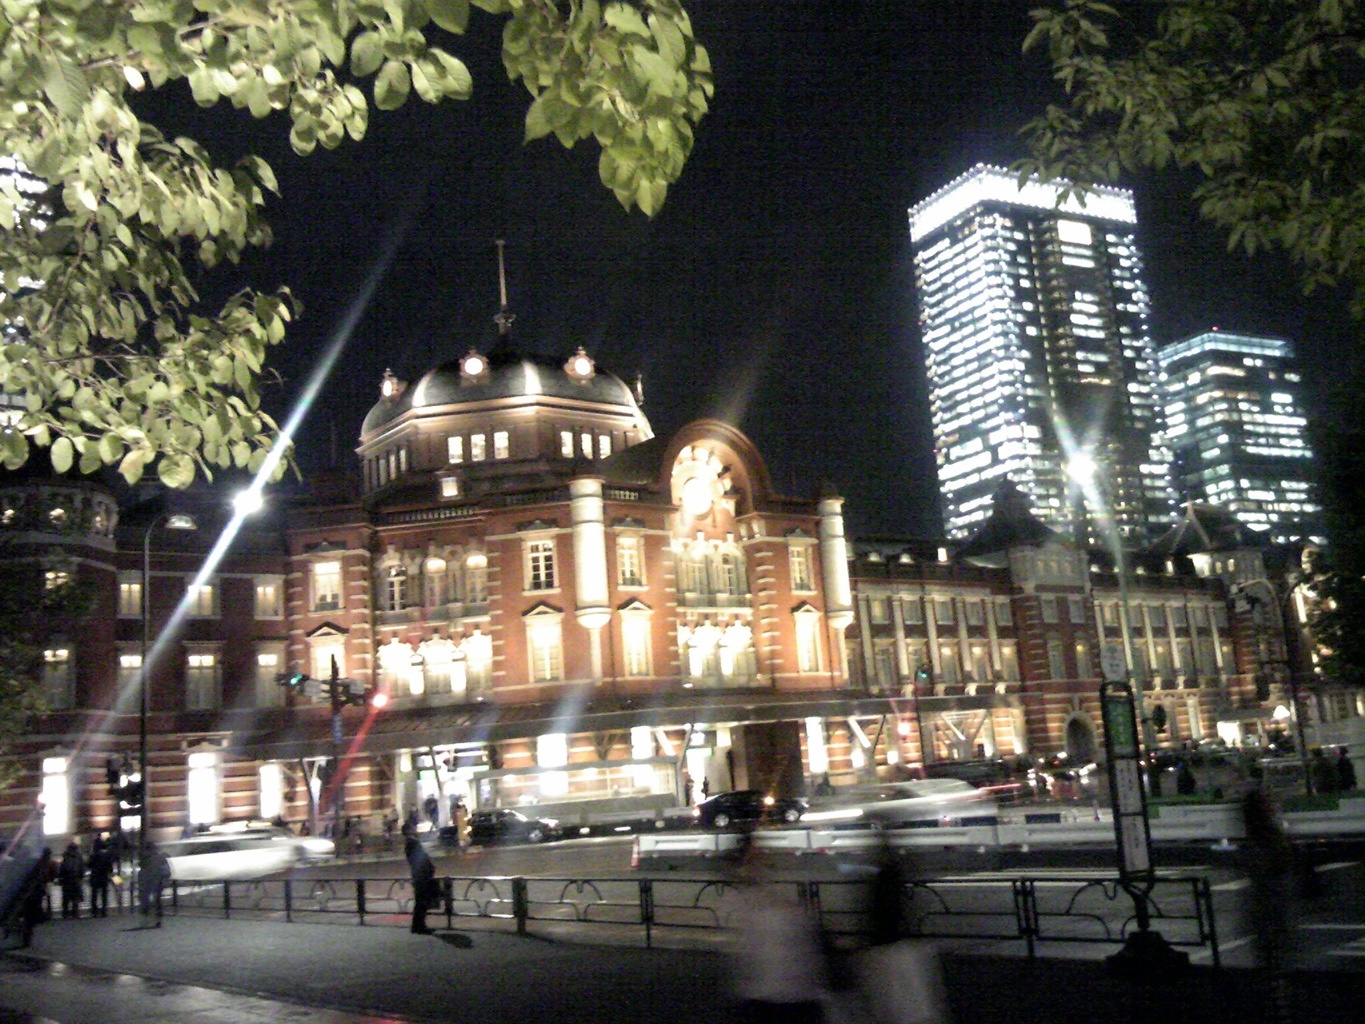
[(292, 681)]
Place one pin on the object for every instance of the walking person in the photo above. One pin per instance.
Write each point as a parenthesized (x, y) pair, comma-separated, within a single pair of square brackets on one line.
[(34, 908), (1325, 774), (154, 871), (1346, 771), (779, 962), (425, 889), (101, 872), (1269, 865), (71, 878)]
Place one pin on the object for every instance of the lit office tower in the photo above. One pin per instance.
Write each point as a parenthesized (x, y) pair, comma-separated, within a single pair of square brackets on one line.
[(1034, 323), (1235, 427)]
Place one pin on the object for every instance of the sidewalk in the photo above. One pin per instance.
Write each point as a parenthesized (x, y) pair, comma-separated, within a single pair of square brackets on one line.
[(389, 974)]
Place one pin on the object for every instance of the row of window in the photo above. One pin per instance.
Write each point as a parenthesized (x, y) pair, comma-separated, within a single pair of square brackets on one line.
[(201, 599), (946, 611)]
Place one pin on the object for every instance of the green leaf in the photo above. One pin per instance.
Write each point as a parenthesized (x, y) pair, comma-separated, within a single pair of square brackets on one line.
[(392, 85), (451, 15), (367, 53), (65, 85), (62, 454), (625, 19), (176, 470)]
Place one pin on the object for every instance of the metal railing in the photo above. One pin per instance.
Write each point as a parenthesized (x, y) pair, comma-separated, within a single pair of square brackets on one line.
[(1032, 910)]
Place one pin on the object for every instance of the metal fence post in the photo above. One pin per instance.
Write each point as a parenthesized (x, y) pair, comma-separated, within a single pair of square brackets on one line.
[(227, 899), (1204, 894), (288, 900), (360, 898), (175, 897), (647, 910), (809, 893), (1026, 913), (520, 903), (448, 898)]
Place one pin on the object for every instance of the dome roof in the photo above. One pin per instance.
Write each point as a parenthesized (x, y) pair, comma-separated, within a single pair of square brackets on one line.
[(513, 375)]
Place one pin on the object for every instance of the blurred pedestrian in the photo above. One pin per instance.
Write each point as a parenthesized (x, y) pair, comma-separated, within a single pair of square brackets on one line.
[(154, 871), (1269, 864), (71, 878), (1346, 772), (33, 906), (1185, 783), (779, 962), (425, 888), (1325, 775), (101, 871), (887, 912), (459, 817), (432, 807)]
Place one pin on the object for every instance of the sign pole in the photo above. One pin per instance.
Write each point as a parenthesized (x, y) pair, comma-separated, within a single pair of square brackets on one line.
[(1143, 949)]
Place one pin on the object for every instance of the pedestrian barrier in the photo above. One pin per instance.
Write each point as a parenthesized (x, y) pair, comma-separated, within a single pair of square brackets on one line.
[(1033, 910)]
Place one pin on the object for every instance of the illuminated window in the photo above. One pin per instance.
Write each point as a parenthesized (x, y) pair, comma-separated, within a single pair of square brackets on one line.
[(603, 445), (129, 669), (1083, 670), (975, 611), (478, 655), (434, 582), (201, 600), (566, 443), (879, 610), (476, 578), (478, 448), (912, 611), (326, 581), (325, 651), (817, 753), (271, 778), (269, 664), (269, 597), (545, 648), (629, 565), (1075, 609), (55, 797), (585, 444), (54, 579), (450, 487), (202, 788), (57, 690), (1004, 614), (807, 641), (635, 637), (202, 678), (395, 589), (943, 611), (501, 444), (799, 560), (1009, 660), (540, 565), (130, 595), (455, 449)]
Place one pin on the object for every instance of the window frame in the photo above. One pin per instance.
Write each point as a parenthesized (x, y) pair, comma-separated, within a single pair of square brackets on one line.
[(213, 650), (274, 581), (315, 603), (194, 602), (630, 555), (540, 565)]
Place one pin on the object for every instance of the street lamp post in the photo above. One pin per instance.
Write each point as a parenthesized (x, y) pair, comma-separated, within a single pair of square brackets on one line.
[(172, 521)]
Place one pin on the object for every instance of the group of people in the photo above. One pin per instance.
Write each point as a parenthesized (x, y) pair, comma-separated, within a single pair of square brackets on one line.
[(102, 869)]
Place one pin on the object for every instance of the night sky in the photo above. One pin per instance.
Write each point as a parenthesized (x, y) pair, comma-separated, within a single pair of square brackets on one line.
[(774, 290)]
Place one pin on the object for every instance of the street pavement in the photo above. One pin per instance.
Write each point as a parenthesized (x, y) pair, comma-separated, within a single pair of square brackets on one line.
[(203, 970)]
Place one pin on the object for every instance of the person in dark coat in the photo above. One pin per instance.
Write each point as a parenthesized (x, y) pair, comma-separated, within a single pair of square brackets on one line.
[(71, 877), (1325, 777), (1346, 772), (154, 871), (1269, 861), (33, 903), (101, 871), (1185, 783), (425, 889)]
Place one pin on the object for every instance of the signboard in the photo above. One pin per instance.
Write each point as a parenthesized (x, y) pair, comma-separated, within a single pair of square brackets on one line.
[(1132, 832), (1113, 665)]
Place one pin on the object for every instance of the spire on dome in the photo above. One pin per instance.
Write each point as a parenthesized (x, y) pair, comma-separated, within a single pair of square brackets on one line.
[(504, 316)]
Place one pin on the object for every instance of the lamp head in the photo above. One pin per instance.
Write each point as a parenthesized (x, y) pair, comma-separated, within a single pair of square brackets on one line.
[(1082, 468), (181, 521), (248, 501)]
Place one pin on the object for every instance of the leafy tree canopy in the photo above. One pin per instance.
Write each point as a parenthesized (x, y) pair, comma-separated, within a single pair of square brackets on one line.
[(107, 357), (1263, 98)]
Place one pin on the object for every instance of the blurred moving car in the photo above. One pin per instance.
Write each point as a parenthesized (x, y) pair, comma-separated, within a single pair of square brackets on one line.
[(995, 775), (747, 805), (508, 826), (951, 802), (242, 851)]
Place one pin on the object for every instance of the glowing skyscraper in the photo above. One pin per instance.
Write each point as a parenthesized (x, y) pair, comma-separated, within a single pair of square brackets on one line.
[(1034, 324), (1236, 428)]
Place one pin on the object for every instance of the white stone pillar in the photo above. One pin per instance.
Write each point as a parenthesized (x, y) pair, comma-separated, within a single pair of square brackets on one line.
[(834, 563), (591, 594)]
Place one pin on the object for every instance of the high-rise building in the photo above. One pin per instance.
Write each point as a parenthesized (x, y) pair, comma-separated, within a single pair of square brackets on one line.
[(1236, 429), (1034, 323)]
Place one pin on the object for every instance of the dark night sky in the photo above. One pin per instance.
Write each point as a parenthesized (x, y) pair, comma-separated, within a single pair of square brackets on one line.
[(773, 290)]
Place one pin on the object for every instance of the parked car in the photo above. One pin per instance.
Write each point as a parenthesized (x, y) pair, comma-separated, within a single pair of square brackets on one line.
[(920, 802), (232, 852), (507, 826), (747, 805)]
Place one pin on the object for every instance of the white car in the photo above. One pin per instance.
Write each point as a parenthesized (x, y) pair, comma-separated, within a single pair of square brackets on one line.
[(242, 853), (921, 802)]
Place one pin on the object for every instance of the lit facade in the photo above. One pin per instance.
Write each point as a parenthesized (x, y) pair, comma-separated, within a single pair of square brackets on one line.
[(1034, 326), (1237, 431)]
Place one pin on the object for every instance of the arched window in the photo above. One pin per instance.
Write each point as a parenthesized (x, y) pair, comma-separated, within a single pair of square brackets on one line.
[(478, 652), (395, 589), (395, 668), (730, 574), (438, 660)]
